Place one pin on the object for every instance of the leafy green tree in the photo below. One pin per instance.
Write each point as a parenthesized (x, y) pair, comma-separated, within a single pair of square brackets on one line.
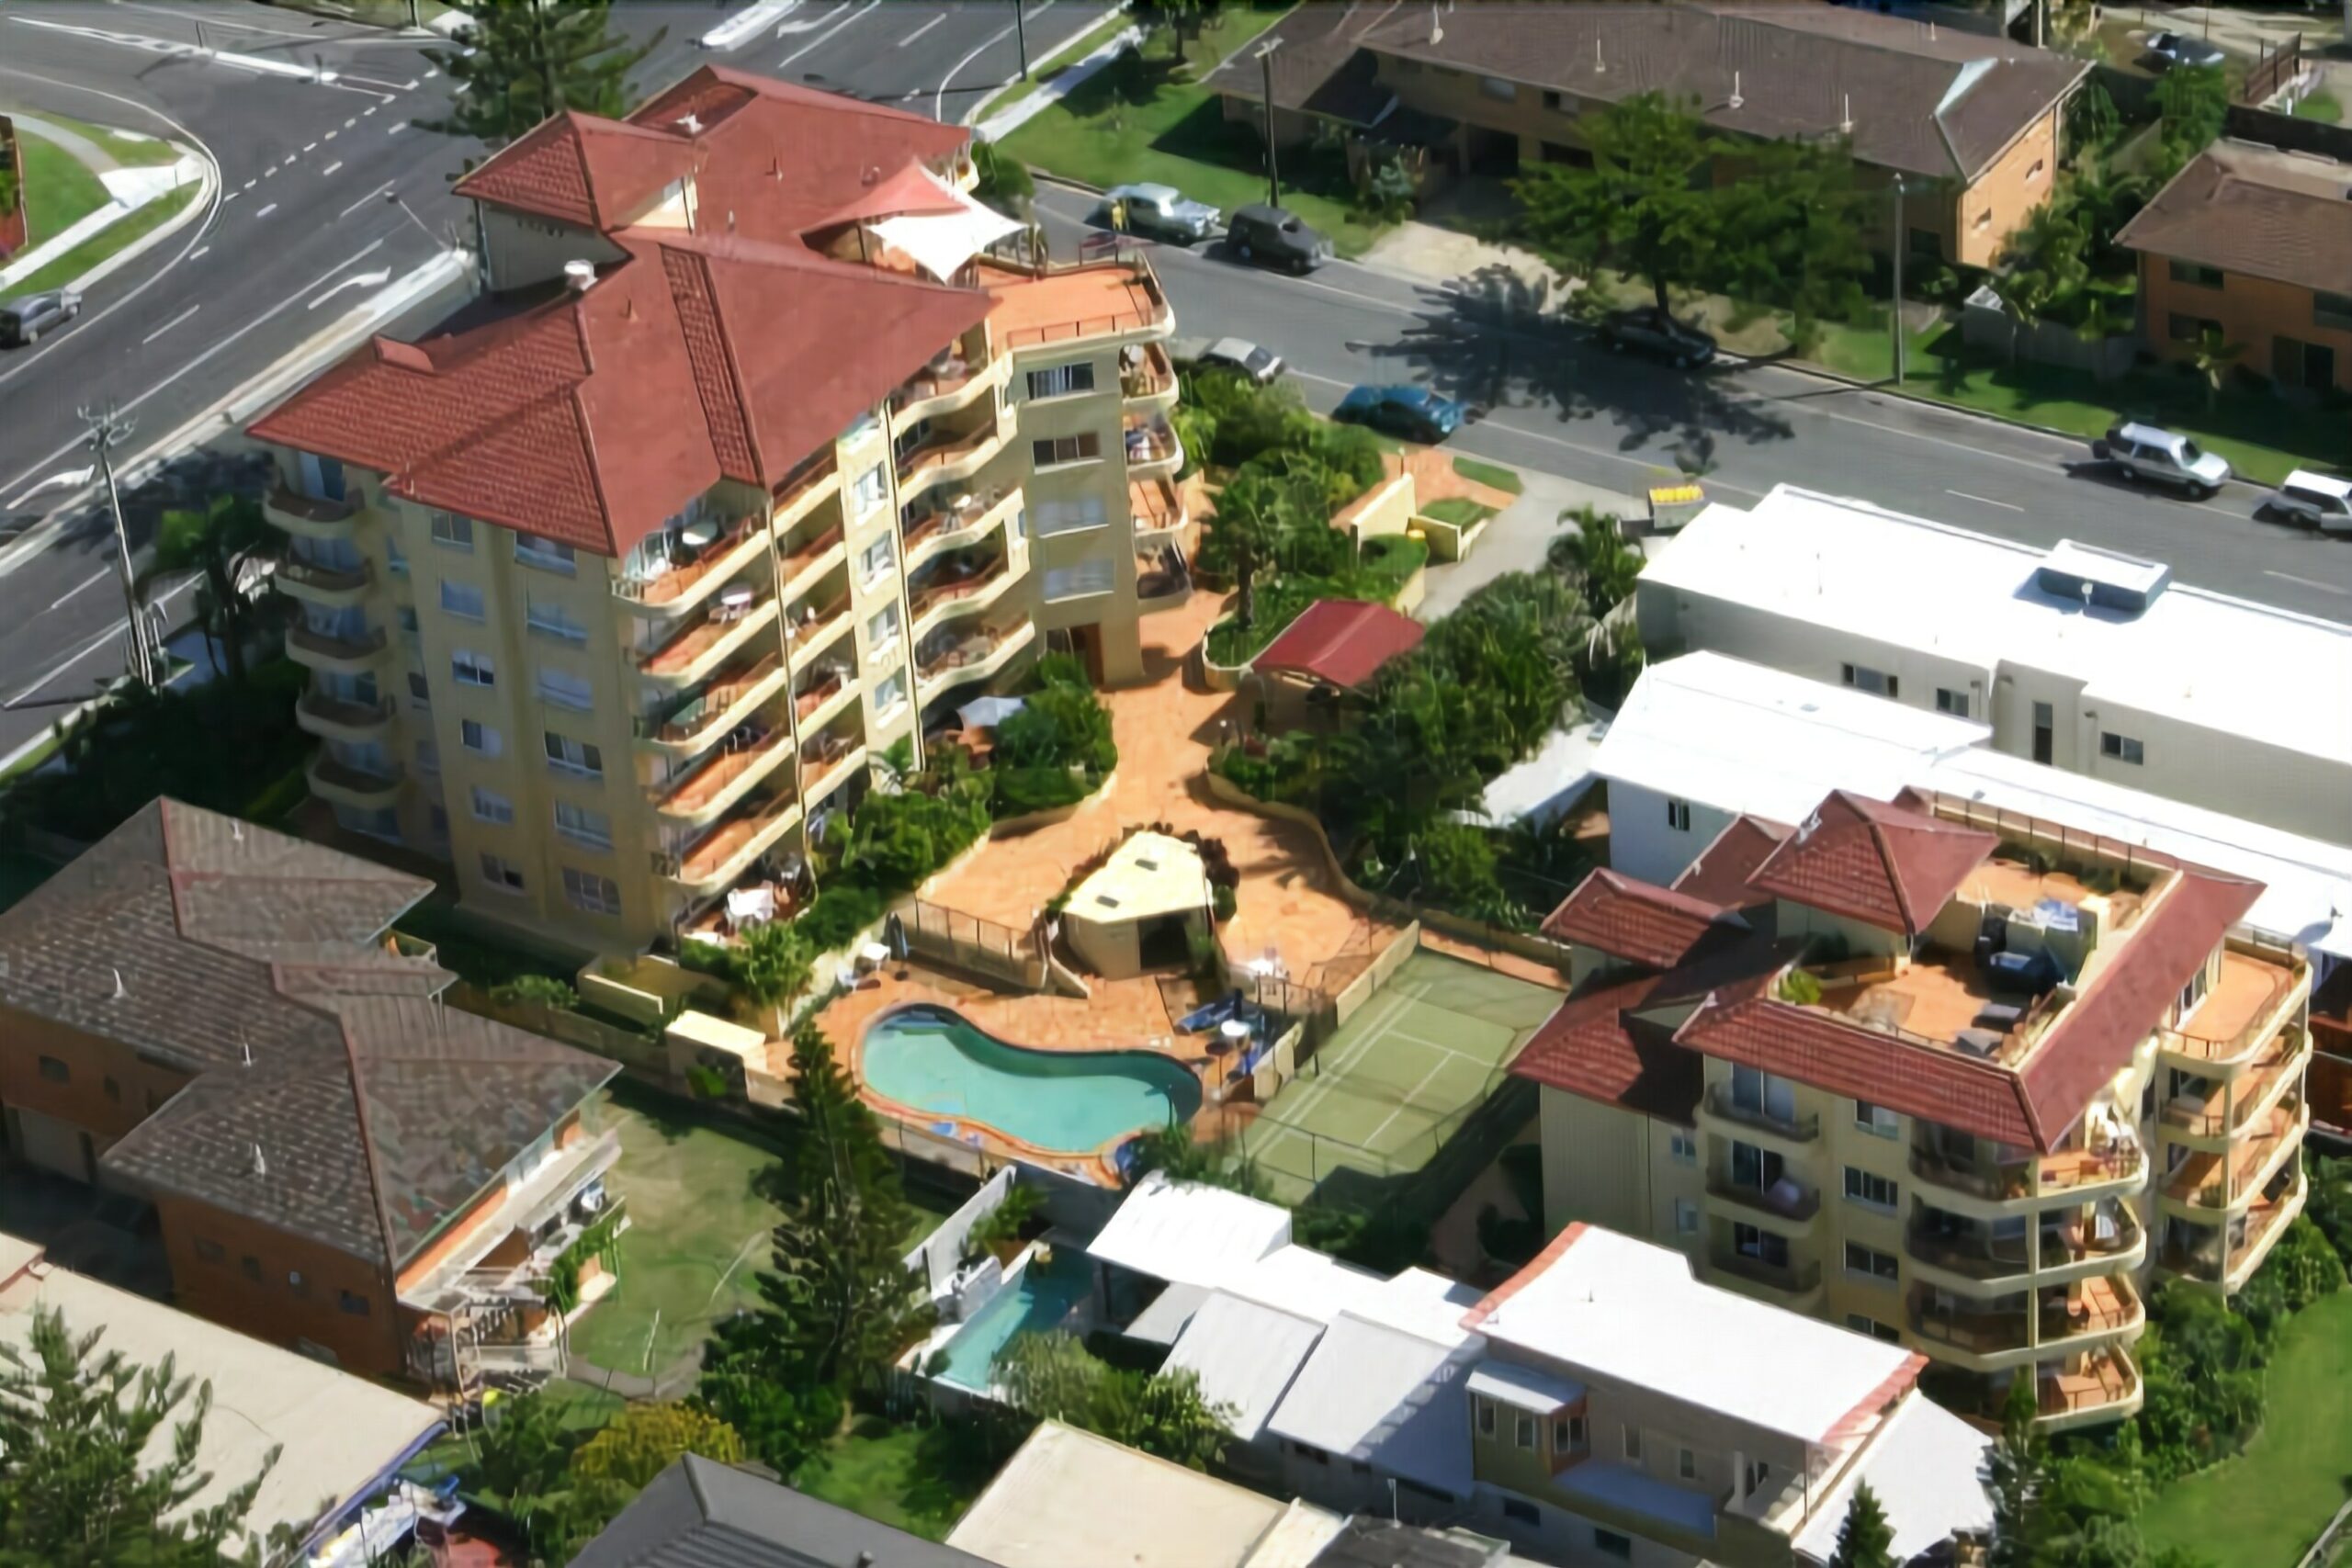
[(2192, 106), (2092, 118), (772, 962), (2200, 1369), (1599, 556), (222, 543), (643, 1440), (1183, 1158), (1004, 180), (1865, 1540), (2211, 358), (520, 63), (1053, 1377), (524, 1449), (2043, 267), (1387, 192), (77, 1489), (1792, 229), (2015, 1477), (2329, 1207), (1182, 22), (1645, 207), (535, 991), (1254, 513)]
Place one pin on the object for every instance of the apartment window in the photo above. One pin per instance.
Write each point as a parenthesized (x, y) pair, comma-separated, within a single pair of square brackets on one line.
[(2122, 748), (548, 555), (1061, 381), (1554, 101), (436, 823), (1870, 1262), (1497, 88), (559, 690), (1862, 678), (1925, 243), (1686, 1216), (1486, 1418), (55, 1071), (1863, 1187), (591, 894), (452, 530), (356, 1305), (548, 617), (1861, 1323), (882, 631), (250, 1267), (2034, 173), (1071, 516), (1309, 1452), (481, 738), (295, 1284), (2188, 329), (1683, 1148), (395, 558), (1083, 448), (2191, 272), (2046, 732), (501, 872), (1567, 1434), (113, 1089), (1077, 581), (210, 1251), (419, 692), (471, 669), (1522, 1430), (581, 826), (1678, 816), (1633, 1444), (891, 693), (1686, 1464), (428, 757), (870, 490), (2332, 311), (461, 599), (2190, 995), (1609, 1544), (404, 616), (1762, 1245), (1876, 1119), (876, 558), (492, 806), (569, 756), (1952, 702), (1518, 1510)]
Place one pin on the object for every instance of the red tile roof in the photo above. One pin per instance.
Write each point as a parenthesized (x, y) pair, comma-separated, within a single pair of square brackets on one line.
[(580, 169), (1341, 641), (1593, 1047), (1721, 874), (1882, 864), (1633, 920)]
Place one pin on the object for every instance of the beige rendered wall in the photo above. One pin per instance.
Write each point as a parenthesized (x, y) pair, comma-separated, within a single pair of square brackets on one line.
[(2004, 196), (1066, 490)]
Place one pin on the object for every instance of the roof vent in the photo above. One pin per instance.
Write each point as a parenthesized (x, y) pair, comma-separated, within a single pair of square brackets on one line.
[(1437, 27), (1845, 119), (236, 831), (580, 276), (261, 1166), (690, 123), (1599, 66), (244, 1048), (2104, 578), (121, 992), (1737, 100)]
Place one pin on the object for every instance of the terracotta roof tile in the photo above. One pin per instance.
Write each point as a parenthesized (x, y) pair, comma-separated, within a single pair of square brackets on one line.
[(1882, 864), (1633, 920), (1341, 641), (582, 170), (1721, 874), (1594, 1047)]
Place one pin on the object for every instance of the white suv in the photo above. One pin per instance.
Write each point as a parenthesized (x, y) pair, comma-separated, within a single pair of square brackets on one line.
[(2145, 452)]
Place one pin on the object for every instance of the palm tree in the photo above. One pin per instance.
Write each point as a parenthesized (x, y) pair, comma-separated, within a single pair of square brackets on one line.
[(1254, 513), (2211, 358), (220, 542), (1598, 552)]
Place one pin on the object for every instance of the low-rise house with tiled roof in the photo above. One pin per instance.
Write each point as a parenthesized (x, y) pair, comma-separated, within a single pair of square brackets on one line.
[(1956, 1076), (218, 1020), (2254, 244), (765, 451), (1970, 123)]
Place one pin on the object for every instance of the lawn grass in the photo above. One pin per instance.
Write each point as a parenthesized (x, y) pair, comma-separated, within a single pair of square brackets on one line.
[(1458, 510), (59, 190), (918, 1479), (2322, 105), (2270, 1503), (133, 151), (1129, 125), (108, 241), (1493, 475), (1062, 59)]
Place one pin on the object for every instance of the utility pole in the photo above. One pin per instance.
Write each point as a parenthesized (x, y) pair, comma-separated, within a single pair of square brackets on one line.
[(1021, 37), (1901, 240), (106, 428), (1266, 70)]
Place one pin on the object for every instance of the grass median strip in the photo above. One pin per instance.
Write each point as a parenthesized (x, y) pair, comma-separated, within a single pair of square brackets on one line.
[(109, 241), (59, 190)]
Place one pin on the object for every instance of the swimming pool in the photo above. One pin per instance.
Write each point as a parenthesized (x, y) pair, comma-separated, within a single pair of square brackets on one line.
[(1037, 1299), (932, 1059)]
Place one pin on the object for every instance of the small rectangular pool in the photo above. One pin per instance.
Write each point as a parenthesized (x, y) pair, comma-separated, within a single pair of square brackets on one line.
[(1037, 1299)]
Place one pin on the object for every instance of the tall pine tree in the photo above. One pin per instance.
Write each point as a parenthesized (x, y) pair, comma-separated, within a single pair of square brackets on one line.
[(1865, 1540), (2017, 1478), (526, 60)]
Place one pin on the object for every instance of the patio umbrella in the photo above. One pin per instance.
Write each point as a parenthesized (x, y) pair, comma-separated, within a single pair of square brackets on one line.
[(986, 713)]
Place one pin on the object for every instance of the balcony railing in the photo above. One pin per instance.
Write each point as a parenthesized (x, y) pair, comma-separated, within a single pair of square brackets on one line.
[(700, 789), (807, 554), (1152, 376), (2005, 1181), (697, 641), (2203, 1259), (327, 773), (1795, 1129), (976, 649), (344, 713), (292, 504), (948, 585), (2232, 1104), (674, 584), (816, 694), (1798, 1209), (1982, 1256), (1150, 442), (943, 453), (2107, 1307), (362, 645), (2225, 1179), (712, 853), (808, 477), (1792, 1279), (317, 577), (704, 714), (2185, 1040)]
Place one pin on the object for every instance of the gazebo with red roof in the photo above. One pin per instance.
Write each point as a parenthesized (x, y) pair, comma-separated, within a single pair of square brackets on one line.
[(1335, 645)]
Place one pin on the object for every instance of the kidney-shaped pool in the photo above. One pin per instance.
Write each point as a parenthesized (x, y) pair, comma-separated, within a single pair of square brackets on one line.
[(934, 1060)]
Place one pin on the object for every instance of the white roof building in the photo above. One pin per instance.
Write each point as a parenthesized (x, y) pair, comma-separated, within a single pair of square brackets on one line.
[(1187, 1234), (339, 1438), (2092, 661), (1385, 1397)]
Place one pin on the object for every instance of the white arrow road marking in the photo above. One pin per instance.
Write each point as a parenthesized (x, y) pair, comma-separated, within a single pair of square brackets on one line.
[(376, 279)]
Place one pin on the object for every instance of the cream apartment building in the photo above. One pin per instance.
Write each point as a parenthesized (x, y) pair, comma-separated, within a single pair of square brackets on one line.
[(754, 462), (1959, 1079)]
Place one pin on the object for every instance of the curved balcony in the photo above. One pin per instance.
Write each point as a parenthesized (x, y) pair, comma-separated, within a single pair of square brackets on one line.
[(308, 516), (942, 460), (828, 769), (1153, 451), (2105, 1311), (2274, 1069), (1158, 507), (1162, 583), (949, 594), (811, 481), (973, 658), (1986, 1187), (2206, 1187), (726, 778), (681, 587), (1149, 385), (332, 717), (1790, 1216), (334, 588), (2072, 1248), (811, 630), (717, 708), (703, 647), (956, 384), (2105, 1389), (1794, 1285), (2252, 999), (810, 560), (334, 652), (351, 785), (2249, 1241), (728, 849), (1791, 1137), (824, 697), (955, 527)]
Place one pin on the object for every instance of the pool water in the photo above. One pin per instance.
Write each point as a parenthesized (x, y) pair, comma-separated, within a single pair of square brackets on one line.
[(933, 1060), (1035, 1301)]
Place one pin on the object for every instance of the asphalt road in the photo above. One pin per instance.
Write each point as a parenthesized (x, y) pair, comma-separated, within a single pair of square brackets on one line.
[(303, 227), (1555, 401)]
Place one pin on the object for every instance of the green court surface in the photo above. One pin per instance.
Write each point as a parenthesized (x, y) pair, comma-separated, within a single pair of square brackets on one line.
[(1382, 1096)]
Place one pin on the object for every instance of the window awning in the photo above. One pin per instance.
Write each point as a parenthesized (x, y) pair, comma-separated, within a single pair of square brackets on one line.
[(1524, 1388)]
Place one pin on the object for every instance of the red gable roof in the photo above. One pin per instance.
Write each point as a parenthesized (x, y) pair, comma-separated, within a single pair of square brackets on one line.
[(583, 170), (1341, 641), (1593, 1048), (1633, 920), (1890, 867), (1721, 874)]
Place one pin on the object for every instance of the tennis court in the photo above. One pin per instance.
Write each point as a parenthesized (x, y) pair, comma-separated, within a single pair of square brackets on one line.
[(1384, 1092)]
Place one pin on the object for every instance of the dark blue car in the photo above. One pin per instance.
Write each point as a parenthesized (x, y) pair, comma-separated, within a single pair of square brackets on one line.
[(1414, 412)]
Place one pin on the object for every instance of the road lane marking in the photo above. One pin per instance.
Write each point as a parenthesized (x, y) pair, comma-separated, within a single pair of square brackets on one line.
[(432, 73), (353, 119), (827, 34), (168, 326), (201, 250), (266, 211), (231, 194), (307, 147), (250, 184), (376, 279), (331, 135), (364, 200), (270, 172), (1985, 501), (397, 127), (939, 99), (330, 168), (99, 640), (99, 576), (2308, 583), (289, 160), (923, 29), (68, 480), (371, 108)]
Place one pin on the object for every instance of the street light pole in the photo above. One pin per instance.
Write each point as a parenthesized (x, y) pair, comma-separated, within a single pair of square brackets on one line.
[(1021, 37), (1902, 239), (106, 428), (393, 198), (1266, 71)]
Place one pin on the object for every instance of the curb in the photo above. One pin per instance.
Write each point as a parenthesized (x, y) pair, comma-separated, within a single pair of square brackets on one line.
[(207, 197), (979, 111)]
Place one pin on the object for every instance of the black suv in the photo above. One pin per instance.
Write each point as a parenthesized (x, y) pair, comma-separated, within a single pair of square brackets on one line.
[(24, 318), (1647, 330), (1268, 235)]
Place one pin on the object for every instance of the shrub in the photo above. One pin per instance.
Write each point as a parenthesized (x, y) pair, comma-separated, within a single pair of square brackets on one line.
[(837, 913), (1020, 791), (535, 990), (1222, 901), (1800, 987)]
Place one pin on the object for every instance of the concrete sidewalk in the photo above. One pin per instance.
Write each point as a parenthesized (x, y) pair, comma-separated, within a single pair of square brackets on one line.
[(1517, 537)]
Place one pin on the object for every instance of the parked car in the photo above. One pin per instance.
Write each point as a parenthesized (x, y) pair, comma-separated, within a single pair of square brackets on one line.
[(1261, 364), (2314, 500), (1415, 412), (1162, 212), (1270, 236), (2169, 49), (24, 318), (2160, 456), (1648, 330)]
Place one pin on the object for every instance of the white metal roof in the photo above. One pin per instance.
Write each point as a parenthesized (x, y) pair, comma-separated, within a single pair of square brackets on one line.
[(1379, 1394), (1524, 1388), (339, 1434), (2229, 665), (1625, 1311), (1164, 1318), (1923, 1465), (1187, 1234), (1246, 1356), (1748, 737), (1303, 1281)]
